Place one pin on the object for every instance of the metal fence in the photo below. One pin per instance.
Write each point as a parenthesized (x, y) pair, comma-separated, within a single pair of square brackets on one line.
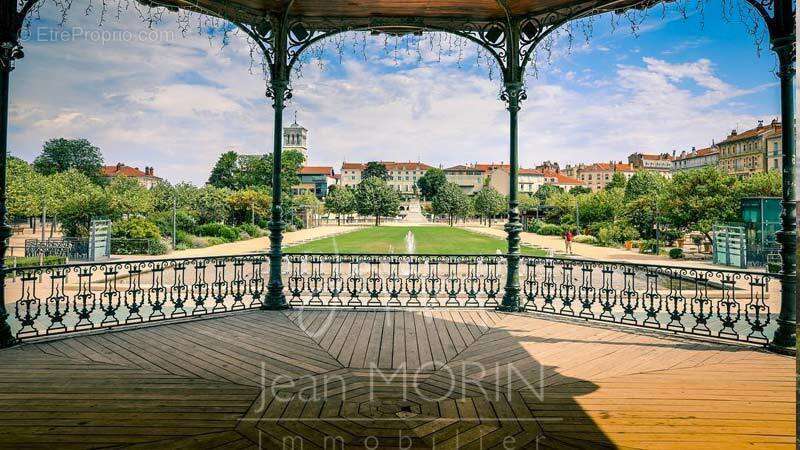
[(725, 304)]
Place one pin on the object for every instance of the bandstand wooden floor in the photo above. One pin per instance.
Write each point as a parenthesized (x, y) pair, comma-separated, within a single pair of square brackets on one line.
[(395, 379)]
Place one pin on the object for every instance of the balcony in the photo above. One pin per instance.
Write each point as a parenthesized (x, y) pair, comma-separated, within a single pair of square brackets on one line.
[(395, 350)]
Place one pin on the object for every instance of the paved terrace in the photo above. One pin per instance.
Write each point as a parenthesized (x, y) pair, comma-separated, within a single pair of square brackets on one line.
[(471, 378)]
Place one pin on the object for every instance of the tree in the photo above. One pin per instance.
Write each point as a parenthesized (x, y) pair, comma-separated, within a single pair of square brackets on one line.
[(489, 203), (451, 201), (698, 199), (375, 169), (77, 211), (374, 197), (545, 191), (527, 203), (617, 181), (291, 162), (25, 189), (226, 172), (127, 197), (578, 190), (602, 206), (644, 183), (60, 155), (247, 204), (430, 183), (211, 204), (760, 185), (340, 201)]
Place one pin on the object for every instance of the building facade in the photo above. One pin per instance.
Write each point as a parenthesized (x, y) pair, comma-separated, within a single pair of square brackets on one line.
[(660, 163), (744, 154), (556, 178), (146, 178), (696, 159), (468, 177), (316, 180), (402, 176), (596, 176), (774, 149)]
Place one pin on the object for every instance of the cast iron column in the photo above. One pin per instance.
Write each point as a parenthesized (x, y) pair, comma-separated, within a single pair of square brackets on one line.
[(279, 91), (9, 51), (783, 39), (513, 94)]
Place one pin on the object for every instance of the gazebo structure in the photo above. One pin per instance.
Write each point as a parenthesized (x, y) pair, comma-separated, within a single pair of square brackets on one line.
[(720, 305)]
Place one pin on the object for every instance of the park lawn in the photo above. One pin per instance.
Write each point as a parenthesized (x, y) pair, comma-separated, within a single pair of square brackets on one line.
[(392, 240)]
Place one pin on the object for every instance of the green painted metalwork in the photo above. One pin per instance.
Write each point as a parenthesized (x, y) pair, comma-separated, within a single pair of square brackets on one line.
[(10, 51), (721, 304), (779, 17)]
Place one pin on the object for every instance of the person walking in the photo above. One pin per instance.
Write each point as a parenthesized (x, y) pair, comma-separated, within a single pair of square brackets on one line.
[(568, 236)]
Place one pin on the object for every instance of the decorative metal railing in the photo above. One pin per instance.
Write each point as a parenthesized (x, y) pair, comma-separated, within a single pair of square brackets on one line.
[(726, 304)]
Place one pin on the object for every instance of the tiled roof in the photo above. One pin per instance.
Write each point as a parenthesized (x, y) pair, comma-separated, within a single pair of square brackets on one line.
[(390, 165), (492, 166), (359, 166), (561, 178), (606, 167), (530, 172), (316, 170), (752, 133), (122, 170), (698, 153), (653, 157)]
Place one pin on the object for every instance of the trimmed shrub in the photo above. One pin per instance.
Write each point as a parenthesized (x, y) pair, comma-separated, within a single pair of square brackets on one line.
[(33, 261), (676, 253), (215, 241), (218, 230), (534, 226), (251, 230), (135, 236), (549, 229), (616, 233), (586, 239), (648, 246)]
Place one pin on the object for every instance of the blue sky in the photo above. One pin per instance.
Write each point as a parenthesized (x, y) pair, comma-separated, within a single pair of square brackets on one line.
[(157, 98)]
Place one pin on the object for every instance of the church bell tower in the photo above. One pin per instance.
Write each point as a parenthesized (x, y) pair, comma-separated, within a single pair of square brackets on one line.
[(295, 137)]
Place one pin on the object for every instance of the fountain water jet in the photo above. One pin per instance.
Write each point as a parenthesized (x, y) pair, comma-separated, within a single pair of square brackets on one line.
[(411, 244)]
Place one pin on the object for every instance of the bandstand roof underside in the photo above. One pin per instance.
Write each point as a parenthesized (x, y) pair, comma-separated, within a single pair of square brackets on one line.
[(423, 10)]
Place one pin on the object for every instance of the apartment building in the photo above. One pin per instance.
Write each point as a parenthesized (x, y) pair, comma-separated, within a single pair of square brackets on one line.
[(596, 176), (744, 154), (696, 159)]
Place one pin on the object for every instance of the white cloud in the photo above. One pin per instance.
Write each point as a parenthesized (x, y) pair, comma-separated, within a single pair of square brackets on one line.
[(177, 104)]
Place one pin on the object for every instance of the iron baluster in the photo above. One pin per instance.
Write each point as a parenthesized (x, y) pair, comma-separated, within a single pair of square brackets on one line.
[(354, 281), (296, 280), (200, 290), (84, 301), (374, 281), (255, 285), (394, 284), (316, 283), (608, 294), (157, 294), (453, 282), (530, 287), (728, 309), (567, 289), (28, 308), (432, 282), (651, 299), (219, 288), (57, 304), (491, 282), (110, 301), (756, 312), (413, 282), (587, 293), (238, 285), (335, 282), (134, 295), (676, 302), (701, 304), (472, 284), (549, 289), (629, 298), (179, 291)]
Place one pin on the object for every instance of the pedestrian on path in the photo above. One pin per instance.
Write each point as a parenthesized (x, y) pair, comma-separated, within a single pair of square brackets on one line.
[(568, 241)]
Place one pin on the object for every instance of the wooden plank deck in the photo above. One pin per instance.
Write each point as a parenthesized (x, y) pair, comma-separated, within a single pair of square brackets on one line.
[(425, 378)]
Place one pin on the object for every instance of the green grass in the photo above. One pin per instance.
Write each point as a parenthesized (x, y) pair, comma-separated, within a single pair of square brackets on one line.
[(429, 240)]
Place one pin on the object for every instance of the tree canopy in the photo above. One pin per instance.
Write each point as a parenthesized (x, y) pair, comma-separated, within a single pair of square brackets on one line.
[(488, 203), (431, 182), (697, 199), (375, 169), (374, 197), (644, 183), (451, 201), (617, 181), (61, 155), (341, 201)]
